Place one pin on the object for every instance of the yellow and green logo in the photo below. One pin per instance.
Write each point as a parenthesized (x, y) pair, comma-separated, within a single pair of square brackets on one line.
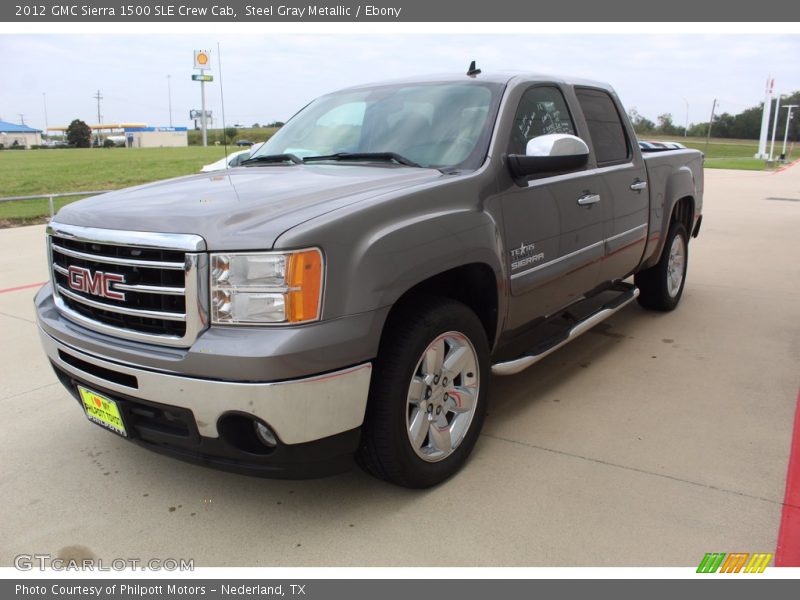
[(735, 562)]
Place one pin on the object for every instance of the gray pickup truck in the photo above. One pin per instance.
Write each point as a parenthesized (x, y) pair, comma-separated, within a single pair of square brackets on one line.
[(350, 290)]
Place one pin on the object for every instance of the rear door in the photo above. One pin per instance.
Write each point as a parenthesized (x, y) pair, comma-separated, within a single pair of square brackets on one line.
[(554, 243), (622, 179)]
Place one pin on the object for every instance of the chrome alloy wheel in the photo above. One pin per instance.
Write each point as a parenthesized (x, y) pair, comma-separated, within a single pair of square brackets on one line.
[(442, 396), (676, 265)]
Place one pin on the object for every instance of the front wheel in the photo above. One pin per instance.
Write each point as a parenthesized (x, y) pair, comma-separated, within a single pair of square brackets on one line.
[(428, 394), (661, 286)]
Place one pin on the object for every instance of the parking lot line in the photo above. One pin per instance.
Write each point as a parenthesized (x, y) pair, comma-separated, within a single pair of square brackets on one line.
[(788, 551), (22, 287)]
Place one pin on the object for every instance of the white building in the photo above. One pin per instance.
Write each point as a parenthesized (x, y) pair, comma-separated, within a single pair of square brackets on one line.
[(156, 137)]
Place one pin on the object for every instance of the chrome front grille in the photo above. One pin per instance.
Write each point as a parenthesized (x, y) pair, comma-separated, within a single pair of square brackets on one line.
[(148, 287)]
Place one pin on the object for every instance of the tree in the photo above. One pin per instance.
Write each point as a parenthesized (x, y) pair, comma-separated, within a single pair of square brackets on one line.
[(747, 124), (79, 134), (640, 124), (724, 125), (230, 133), (666, 126), (256, 126)]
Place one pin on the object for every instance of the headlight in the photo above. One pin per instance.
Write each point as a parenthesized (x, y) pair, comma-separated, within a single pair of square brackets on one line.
[(266, 287)]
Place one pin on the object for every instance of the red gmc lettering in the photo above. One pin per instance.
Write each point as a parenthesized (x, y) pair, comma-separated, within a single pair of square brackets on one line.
[(97, 283)]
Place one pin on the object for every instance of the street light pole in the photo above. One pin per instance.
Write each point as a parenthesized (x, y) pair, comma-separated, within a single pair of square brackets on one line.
[(169, 98), (788, 108), (44, 101), (686, 127)]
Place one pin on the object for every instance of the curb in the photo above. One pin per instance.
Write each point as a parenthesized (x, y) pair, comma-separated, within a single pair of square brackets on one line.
[(784, 167)]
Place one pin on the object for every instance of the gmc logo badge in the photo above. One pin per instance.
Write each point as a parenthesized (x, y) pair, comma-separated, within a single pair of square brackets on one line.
[(97, 283)]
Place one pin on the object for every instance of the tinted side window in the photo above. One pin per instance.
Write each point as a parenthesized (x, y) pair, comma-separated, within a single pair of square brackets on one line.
[(605, 127), (541, 110)]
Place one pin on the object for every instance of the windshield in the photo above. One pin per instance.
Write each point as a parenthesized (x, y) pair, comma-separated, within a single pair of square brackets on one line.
[(433, 125)]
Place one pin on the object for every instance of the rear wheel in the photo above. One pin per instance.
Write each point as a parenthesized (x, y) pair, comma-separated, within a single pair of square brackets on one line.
[(661, 286), (428, 394)]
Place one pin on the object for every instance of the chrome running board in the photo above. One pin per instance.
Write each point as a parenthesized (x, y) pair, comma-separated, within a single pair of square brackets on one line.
[(513, 367)]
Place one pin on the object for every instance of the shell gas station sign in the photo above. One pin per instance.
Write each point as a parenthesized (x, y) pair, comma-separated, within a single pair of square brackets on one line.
[(202, 60)]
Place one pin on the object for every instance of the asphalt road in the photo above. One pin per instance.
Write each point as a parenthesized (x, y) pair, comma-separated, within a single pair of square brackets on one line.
[(649, 441)]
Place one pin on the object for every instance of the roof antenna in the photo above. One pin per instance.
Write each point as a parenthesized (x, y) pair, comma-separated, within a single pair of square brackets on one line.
[(472, 71)]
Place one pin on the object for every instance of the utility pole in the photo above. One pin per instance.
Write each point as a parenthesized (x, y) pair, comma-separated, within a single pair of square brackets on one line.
[(169, 98), (788, 108), (21, 118), (98, 97), (710, 121)]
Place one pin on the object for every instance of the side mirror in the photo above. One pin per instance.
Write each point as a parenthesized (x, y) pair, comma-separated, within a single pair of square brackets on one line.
[(549, 155)]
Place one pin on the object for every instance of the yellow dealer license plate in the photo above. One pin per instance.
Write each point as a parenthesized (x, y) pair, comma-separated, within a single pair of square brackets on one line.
[(103, 411)]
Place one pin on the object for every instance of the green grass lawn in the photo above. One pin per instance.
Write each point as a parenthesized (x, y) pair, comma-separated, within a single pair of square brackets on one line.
[(32, 172), (28, 172), (723, 153), (717, 147)]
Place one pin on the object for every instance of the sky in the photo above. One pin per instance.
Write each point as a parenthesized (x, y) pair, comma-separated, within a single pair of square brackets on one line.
[(270, 77)]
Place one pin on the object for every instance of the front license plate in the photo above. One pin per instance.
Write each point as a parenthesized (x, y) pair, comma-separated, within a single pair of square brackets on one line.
[(103, 411)]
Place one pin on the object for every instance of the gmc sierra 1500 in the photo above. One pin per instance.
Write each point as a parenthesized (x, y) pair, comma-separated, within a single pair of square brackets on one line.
[(350, 288)]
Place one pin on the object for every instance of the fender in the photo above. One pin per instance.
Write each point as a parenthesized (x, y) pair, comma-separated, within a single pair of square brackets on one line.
[(454, 239), (374, 260), (679, 184)]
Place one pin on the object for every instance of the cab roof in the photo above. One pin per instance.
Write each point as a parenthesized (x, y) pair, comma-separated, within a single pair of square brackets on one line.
[(498, 77)]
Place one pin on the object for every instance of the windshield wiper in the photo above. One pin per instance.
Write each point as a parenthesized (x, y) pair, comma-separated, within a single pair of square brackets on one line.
[(383, 156), (273, 158)]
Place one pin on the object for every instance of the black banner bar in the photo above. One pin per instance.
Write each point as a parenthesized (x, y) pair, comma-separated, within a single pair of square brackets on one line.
[(710, 586), (514, 11)]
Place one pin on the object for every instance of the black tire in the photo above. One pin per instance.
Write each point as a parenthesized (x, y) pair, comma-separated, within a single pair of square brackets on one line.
[(653, 284), (386, 449)]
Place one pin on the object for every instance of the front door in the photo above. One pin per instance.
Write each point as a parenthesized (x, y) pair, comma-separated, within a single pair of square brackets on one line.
[(554, 226)]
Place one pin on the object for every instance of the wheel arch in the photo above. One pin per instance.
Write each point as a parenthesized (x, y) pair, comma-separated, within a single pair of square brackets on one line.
[(680, 199), (474, 284)]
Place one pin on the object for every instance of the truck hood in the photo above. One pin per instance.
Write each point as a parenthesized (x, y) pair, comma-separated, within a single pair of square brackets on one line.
[(242, 208)]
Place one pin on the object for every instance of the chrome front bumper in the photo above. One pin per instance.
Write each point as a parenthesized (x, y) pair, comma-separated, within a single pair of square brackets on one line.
[(298, 411)]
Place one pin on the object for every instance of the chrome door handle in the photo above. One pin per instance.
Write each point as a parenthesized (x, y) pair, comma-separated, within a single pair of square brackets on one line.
[(638, 186), (589, 199)]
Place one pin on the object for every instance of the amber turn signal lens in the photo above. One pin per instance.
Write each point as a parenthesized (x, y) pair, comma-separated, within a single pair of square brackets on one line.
[(304, 278)]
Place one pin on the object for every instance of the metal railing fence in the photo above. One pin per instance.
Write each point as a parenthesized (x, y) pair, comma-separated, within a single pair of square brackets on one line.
[(51, 197)]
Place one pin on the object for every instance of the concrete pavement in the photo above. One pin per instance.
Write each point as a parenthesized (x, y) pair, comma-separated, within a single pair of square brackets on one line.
[(651, 440)]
